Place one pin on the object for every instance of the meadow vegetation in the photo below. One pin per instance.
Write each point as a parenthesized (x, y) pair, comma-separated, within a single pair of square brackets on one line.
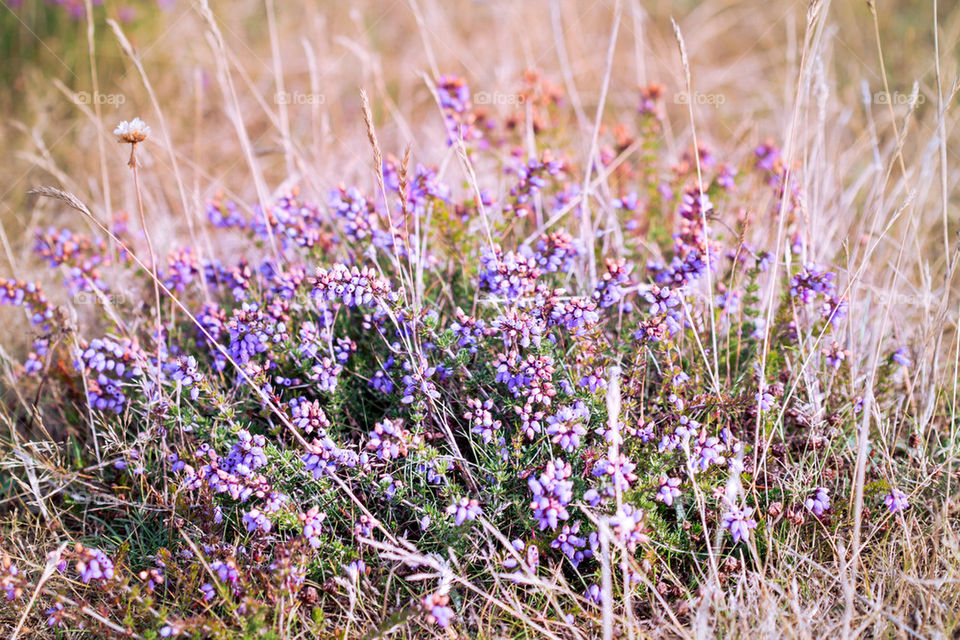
[(481, 320)]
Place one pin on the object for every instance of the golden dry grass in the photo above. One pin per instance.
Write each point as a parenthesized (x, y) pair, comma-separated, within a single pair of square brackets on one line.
[(884, 207)]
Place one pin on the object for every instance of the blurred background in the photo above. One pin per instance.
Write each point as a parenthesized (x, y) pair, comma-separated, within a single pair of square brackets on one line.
[(269, 90)]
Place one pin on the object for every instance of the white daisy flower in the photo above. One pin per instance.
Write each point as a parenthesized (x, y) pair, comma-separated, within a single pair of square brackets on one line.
[(133, 131)]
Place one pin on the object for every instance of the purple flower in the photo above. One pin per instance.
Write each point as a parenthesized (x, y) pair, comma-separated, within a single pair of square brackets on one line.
[(424, 188), (725, 178), (834, 310), (902, 357), (683, 269), (768, 156), (94, 564), (896, 500), (533, 176), (529, 555), (552, 492), (381, 380), (461, 121), (566, 426), (356, 569), (571, 544), (669, 489), (437, 611), (256, 519), (510, 275), (33, 364), (811, 281), (79, 255), (309, 416), (246, 455), (469, 331), (618, 469), (530, 377), (819, 502), (389, 485), (234, 474), (182, 269), (55, 615), (358, 215), (292, 221), (663, 301), (627, 526), (594, 380), (558, 251), (353, 287), (208, 591), (434, 474), (224, 214), (481, 420), (390, 440), (708, 451), (311, 529), (649, 104), (19, 293), (685, 428), (765, 400), (110, 367), (10, 580), (274, 502), (323, 456), (417, 382), (465, 509), (454, 93), (630, 202), (363, 527), (610, 289), (835, 354), (226, 571), (184, 372), (576, 315), (739, 522), (518, 329), (326, 373), (252, 331), (594, 594)]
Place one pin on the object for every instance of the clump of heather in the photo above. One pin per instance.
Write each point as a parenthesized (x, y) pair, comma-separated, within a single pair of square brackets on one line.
[(364, 401)]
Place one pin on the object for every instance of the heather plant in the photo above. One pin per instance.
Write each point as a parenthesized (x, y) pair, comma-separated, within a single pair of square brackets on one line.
[(419, 402)]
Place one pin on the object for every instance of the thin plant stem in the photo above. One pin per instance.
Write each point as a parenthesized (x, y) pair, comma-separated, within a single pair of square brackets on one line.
[(153, 257)]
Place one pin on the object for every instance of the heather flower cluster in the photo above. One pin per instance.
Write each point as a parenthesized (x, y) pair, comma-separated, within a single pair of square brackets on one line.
[(463, 121), (80, 256), (112, 369), (416, 392), (533, 176), (552, 492), (30, 297)]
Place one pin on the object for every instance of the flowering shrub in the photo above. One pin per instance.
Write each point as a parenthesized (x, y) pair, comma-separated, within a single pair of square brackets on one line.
[(365, 402)]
